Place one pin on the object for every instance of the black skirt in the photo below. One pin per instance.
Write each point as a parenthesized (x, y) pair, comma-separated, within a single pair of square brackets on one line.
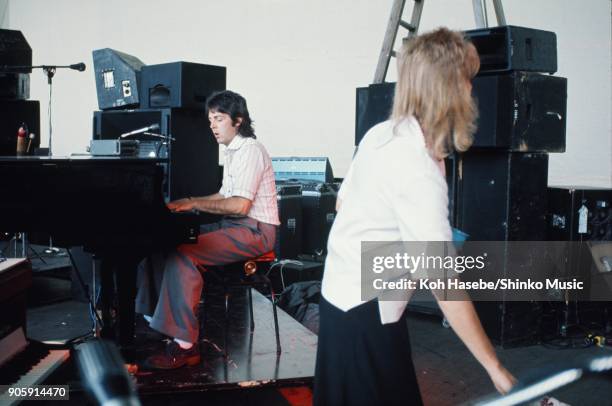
[(361, 361)]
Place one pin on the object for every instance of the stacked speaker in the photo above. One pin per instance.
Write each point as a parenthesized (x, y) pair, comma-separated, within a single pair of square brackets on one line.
[(498, 189), (501, 190), (161, 108), (19, 117)]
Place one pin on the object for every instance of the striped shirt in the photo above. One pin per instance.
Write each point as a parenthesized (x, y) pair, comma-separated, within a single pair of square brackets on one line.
[(248, 173)]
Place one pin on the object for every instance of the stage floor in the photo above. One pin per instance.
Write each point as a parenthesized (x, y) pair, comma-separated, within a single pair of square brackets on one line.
[(252, 360)]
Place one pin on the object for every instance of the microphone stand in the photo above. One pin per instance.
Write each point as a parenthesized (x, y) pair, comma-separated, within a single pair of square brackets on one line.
[(50, 72)]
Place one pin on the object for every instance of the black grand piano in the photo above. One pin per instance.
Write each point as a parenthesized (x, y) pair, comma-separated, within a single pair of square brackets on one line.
[(113, 206)]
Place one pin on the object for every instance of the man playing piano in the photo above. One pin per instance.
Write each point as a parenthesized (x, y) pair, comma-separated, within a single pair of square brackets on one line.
[(170, 285)]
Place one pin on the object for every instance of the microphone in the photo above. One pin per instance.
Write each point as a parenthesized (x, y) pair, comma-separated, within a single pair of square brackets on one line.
[(140, 130), (165, 137), (78, 66), (103, 374)]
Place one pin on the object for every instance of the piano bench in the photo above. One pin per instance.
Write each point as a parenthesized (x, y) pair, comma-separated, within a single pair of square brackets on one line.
[(242, 273)]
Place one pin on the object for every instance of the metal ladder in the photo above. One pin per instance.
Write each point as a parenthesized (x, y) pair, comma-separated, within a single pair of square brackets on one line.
[(395, 21)]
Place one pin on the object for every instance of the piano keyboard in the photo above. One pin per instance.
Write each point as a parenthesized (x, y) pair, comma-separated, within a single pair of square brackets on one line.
[(32, 367)]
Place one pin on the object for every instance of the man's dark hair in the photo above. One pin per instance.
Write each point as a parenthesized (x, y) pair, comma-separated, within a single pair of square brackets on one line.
[(235, 106)]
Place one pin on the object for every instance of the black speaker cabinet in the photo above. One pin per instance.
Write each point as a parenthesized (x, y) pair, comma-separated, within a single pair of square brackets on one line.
[(501, 196), (518, 111), (15, 86), (509, 48), (192, 158), (180, 84), (13, 114), (15, 50), (318, 212), (289, 236), (373, 106), (511, 324), (521, 111)]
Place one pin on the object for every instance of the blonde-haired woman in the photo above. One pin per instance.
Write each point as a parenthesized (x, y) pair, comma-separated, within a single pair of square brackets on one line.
[(395, 190)]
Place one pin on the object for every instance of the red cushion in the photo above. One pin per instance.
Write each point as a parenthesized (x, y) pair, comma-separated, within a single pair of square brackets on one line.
[(267, 257)]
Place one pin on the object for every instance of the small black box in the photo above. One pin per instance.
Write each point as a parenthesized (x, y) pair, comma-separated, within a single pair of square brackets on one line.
[(180, 84), (511, 48)]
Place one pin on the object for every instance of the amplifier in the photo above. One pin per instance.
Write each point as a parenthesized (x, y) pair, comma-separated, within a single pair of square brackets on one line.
[(289, 236), (117, 79), (508, 48), (180, 84), (191, 161), (318, 212), (309, 169), (521, 111), (113, 147), (14, 114)]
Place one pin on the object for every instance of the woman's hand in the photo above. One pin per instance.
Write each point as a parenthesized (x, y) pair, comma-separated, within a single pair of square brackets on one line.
[(502, 379)]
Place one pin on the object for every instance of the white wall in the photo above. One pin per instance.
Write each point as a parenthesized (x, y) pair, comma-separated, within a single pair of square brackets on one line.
[(298, 63)]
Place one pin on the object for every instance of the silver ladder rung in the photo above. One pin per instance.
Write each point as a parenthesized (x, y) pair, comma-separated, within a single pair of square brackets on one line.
[(408, 26)]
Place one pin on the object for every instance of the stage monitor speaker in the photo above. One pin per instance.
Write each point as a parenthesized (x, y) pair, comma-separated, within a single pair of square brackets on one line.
[(511, 48), (14, 51), (117, 79), (521, 111), (181, 84), (14, 114), (191, 160)]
